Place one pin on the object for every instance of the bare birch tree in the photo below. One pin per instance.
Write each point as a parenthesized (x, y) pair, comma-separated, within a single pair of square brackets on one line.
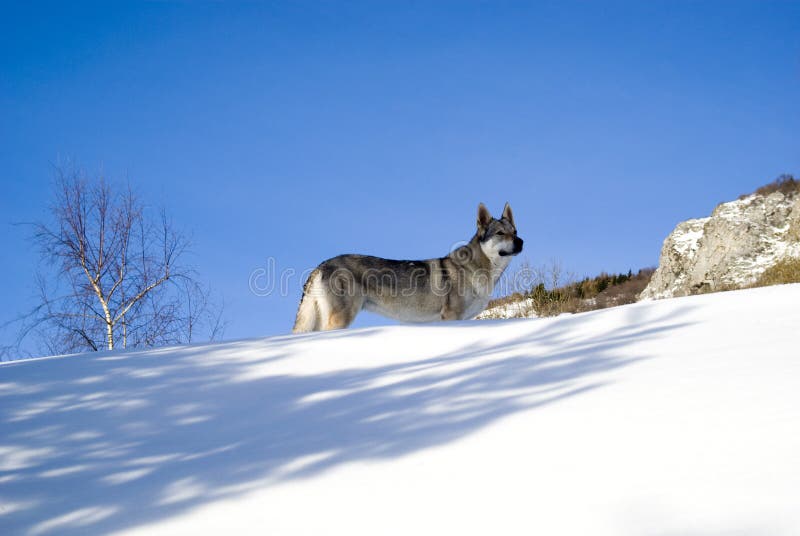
[(117, 278)]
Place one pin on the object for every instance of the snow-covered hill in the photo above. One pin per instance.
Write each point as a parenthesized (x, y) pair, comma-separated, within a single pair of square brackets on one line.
[(670, 417)]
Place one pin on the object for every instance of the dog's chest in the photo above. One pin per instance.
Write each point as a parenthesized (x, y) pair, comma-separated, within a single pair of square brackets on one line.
[(477, 300), (482, 288)]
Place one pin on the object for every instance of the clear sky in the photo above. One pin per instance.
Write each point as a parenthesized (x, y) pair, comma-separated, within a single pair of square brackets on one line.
[(300, 130)]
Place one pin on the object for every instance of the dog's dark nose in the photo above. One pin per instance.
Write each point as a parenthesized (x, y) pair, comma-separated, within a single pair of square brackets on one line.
[(517, 244)]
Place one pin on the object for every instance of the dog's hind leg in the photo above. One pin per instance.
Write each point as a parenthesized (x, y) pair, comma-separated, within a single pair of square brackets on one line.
[(342, 313), (339, 320)]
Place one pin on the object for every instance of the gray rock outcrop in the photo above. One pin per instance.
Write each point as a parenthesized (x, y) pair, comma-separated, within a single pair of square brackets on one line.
[(729, 249)]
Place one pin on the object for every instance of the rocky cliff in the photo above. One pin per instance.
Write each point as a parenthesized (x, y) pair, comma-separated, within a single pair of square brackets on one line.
[(729, 249)]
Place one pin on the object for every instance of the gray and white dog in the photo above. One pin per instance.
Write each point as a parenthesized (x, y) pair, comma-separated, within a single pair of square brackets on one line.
[(455, 287)]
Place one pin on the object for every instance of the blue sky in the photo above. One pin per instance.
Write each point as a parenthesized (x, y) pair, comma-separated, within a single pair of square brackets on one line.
[(300, 130)]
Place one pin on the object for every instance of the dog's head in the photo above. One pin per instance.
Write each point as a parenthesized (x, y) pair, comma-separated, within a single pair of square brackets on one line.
[(498, 238)]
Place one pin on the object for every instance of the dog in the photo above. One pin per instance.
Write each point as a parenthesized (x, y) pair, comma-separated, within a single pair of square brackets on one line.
[(455, 287)]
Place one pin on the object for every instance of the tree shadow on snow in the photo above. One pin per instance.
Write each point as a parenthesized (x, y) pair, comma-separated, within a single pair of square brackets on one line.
[(95, 443)]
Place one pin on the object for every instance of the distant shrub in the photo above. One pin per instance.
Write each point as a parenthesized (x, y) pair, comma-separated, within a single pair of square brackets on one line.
[(553, 302), (591, 293), (551, 296), (505, 300), (626, 291), (780, 273), (786, 184)]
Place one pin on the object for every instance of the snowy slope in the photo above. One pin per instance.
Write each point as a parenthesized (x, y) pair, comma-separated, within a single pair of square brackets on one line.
[(671, 417)]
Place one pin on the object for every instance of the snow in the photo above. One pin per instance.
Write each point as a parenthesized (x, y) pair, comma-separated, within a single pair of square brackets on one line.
[(687, 242), (734, 210), (677, 416), (516, 309)]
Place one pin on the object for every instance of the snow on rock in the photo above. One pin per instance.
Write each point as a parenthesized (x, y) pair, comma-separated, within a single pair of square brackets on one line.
[(662, 417), (730, 249)]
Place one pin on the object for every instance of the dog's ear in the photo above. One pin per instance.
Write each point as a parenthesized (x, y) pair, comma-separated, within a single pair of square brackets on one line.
[(483, 216), (508, 215)]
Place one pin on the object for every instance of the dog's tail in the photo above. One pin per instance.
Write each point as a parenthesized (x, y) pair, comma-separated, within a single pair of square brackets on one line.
[(309, 316)]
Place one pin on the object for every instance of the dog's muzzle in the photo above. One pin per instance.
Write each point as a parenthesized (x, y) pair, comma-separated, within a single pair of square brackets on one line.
[(517, 248)]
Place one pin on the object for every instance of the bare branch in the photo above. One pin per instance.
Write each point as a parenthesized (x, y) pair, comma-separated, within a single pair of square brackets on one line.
[(121, 269)]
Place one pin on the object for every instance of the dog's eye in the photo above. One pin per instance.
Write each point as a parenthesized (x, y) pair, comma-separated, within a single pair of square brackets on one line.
[(501, 233)]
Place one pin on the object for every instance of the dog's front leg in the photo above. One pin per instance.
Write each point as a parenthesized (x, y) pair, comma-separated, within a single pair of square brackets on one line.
[(449, 312)]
